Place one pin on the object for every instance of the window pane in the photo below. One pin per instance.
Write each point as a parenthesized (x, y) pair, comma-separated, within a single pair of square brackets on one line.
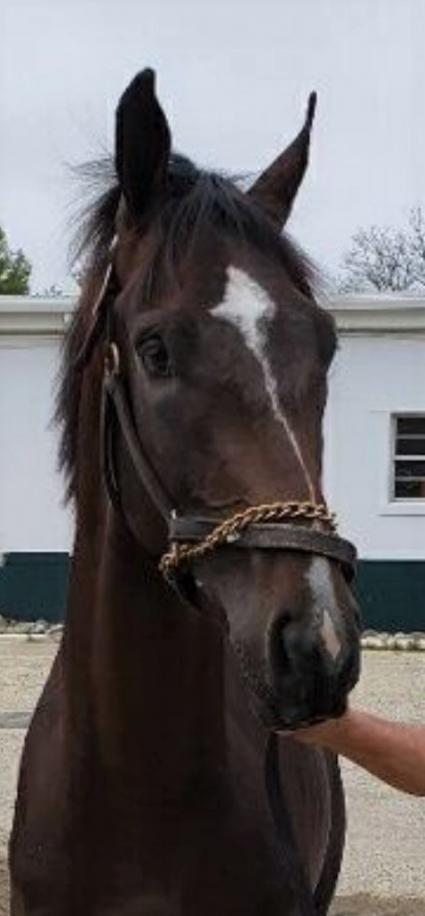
[(409, 445), (410, 468), (412, 425), (410, 489)]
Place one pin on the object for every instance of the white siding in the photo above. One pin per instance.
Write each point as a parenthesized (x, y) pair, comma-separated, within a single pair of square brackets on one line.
[(372, 378), (31, 515)]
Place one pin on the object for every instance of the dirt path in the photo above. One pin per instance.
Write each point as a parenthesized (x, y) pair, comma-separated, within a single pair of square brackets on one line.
[(364, 905), (383, 872), (4, 889)]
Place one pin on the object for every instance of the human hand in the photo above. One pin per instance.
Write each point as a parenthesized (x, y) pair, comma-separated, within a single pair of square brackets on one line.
[(326, 734)]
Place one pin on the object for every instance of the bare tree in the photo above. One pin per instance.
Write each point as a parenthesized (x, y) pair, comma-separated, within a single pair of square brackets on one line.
[(382, 259)]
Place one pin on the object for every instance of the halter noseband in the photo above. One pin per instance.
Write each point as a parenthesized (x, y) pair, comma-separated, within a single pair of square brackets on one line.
[(262, 527)]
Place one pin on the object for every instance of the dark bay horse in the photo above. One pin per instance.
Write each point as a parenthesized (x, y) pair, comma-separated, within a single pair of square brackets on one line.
[(193, 389)]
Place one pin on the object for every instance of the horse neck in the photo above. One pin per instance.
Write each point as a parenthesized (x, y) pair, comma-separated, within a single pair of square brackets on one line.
[(143, 670)]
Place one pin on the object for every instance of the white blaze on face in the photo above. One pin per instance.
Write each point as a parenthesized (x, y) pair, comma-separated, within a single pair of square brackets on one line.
[(249, 308), (324, 600)]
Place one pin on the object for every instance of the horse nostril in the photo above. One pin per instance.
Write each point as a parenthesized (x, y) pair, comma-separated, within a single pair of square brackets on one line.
[(299, 650), (282, 650), (284, 644)]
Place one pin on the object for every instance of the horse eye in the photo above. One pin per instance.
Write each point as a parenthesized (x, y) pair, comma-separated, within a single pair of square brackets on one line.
[(154, 356)]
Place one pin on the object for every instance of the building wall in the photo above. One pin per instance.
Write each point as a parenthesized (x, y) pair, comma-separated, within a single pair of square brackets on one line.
[(35, 527), (32, 516), (379, 370), (373, 377), (377, 375)]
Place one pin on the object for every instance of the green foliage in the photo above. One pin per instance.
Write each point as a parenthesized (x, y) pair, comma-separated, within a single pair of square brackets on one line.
[(15, 269)]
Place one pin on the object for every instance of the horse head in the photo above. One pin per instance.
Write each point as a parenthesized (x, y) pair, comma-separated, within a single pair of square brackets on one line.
[(223, 361)]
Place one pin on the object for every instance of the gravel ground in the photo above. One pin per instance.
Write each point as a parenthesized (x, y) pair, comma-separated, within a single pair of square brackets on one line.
[(383, 872)]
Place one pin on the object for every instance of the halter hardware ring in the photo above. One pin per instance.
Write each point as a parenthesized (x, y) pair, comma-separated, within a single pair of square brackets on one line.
[(112, 359)]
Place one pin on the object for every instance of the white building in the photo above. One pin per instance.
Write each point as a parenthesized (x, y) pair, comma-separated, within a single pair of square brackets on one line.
[(375, 452), (374, 458)]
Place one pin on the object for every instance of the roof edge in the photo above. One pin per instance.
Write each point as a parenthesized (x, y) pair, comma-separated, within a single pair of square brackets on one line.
[(363, 313)]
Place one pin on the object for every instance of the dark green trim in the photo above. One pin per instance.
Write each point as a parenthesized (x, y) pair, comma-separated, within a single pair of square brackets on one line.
[(34, 586), (391, 592)]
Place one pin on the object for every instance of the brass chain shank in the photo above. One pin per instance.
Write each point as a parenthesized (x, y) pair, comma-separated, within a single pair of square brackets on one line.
[(228, 530)]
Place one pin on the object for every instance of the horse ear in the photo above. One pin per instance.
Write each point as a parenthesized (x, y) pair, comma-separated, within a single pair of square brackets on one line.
[(142, 143), (275, 190)]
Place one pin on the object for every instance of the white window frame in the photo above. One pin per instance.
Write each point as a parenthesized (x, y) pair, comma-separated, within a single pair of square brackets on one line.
[(397, 505)]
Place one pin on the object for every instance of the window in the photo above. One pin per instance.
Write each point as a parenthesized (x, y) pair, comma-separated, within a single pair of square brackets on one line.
[(409, 457)]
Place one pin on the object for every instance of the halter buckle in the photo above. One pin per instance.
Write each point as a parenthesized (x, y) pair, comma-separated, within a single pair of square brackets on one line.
[(112, 360)]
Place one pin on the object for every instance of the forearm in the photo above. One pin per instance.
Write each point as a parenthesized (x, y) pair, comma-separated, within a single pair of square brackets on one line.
[(391, 751)]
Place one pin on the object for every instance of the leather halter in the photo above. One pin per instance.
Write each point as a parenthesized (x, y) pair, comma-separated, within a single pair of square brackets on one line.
[(117, 416), (269, 536), (114, 396)]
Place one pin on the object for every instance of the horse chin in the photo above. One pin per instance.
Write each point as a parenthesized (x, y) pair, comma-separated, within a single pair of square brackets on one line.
[(300, 721), (281, 714), (294, 720)]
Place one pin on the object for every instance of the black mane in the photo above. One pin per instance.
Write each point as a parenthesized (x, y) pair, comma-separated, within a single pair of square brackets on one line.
[(197, 201)]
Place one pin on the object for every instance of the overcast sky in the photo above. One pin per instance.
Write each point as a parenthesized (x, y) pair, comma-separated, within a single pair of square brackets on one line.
[(233, 78)]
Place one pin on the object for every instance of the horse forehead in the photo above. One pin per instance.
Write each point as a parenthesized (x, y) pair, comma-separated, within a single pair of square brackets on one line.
[(247, 306)]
